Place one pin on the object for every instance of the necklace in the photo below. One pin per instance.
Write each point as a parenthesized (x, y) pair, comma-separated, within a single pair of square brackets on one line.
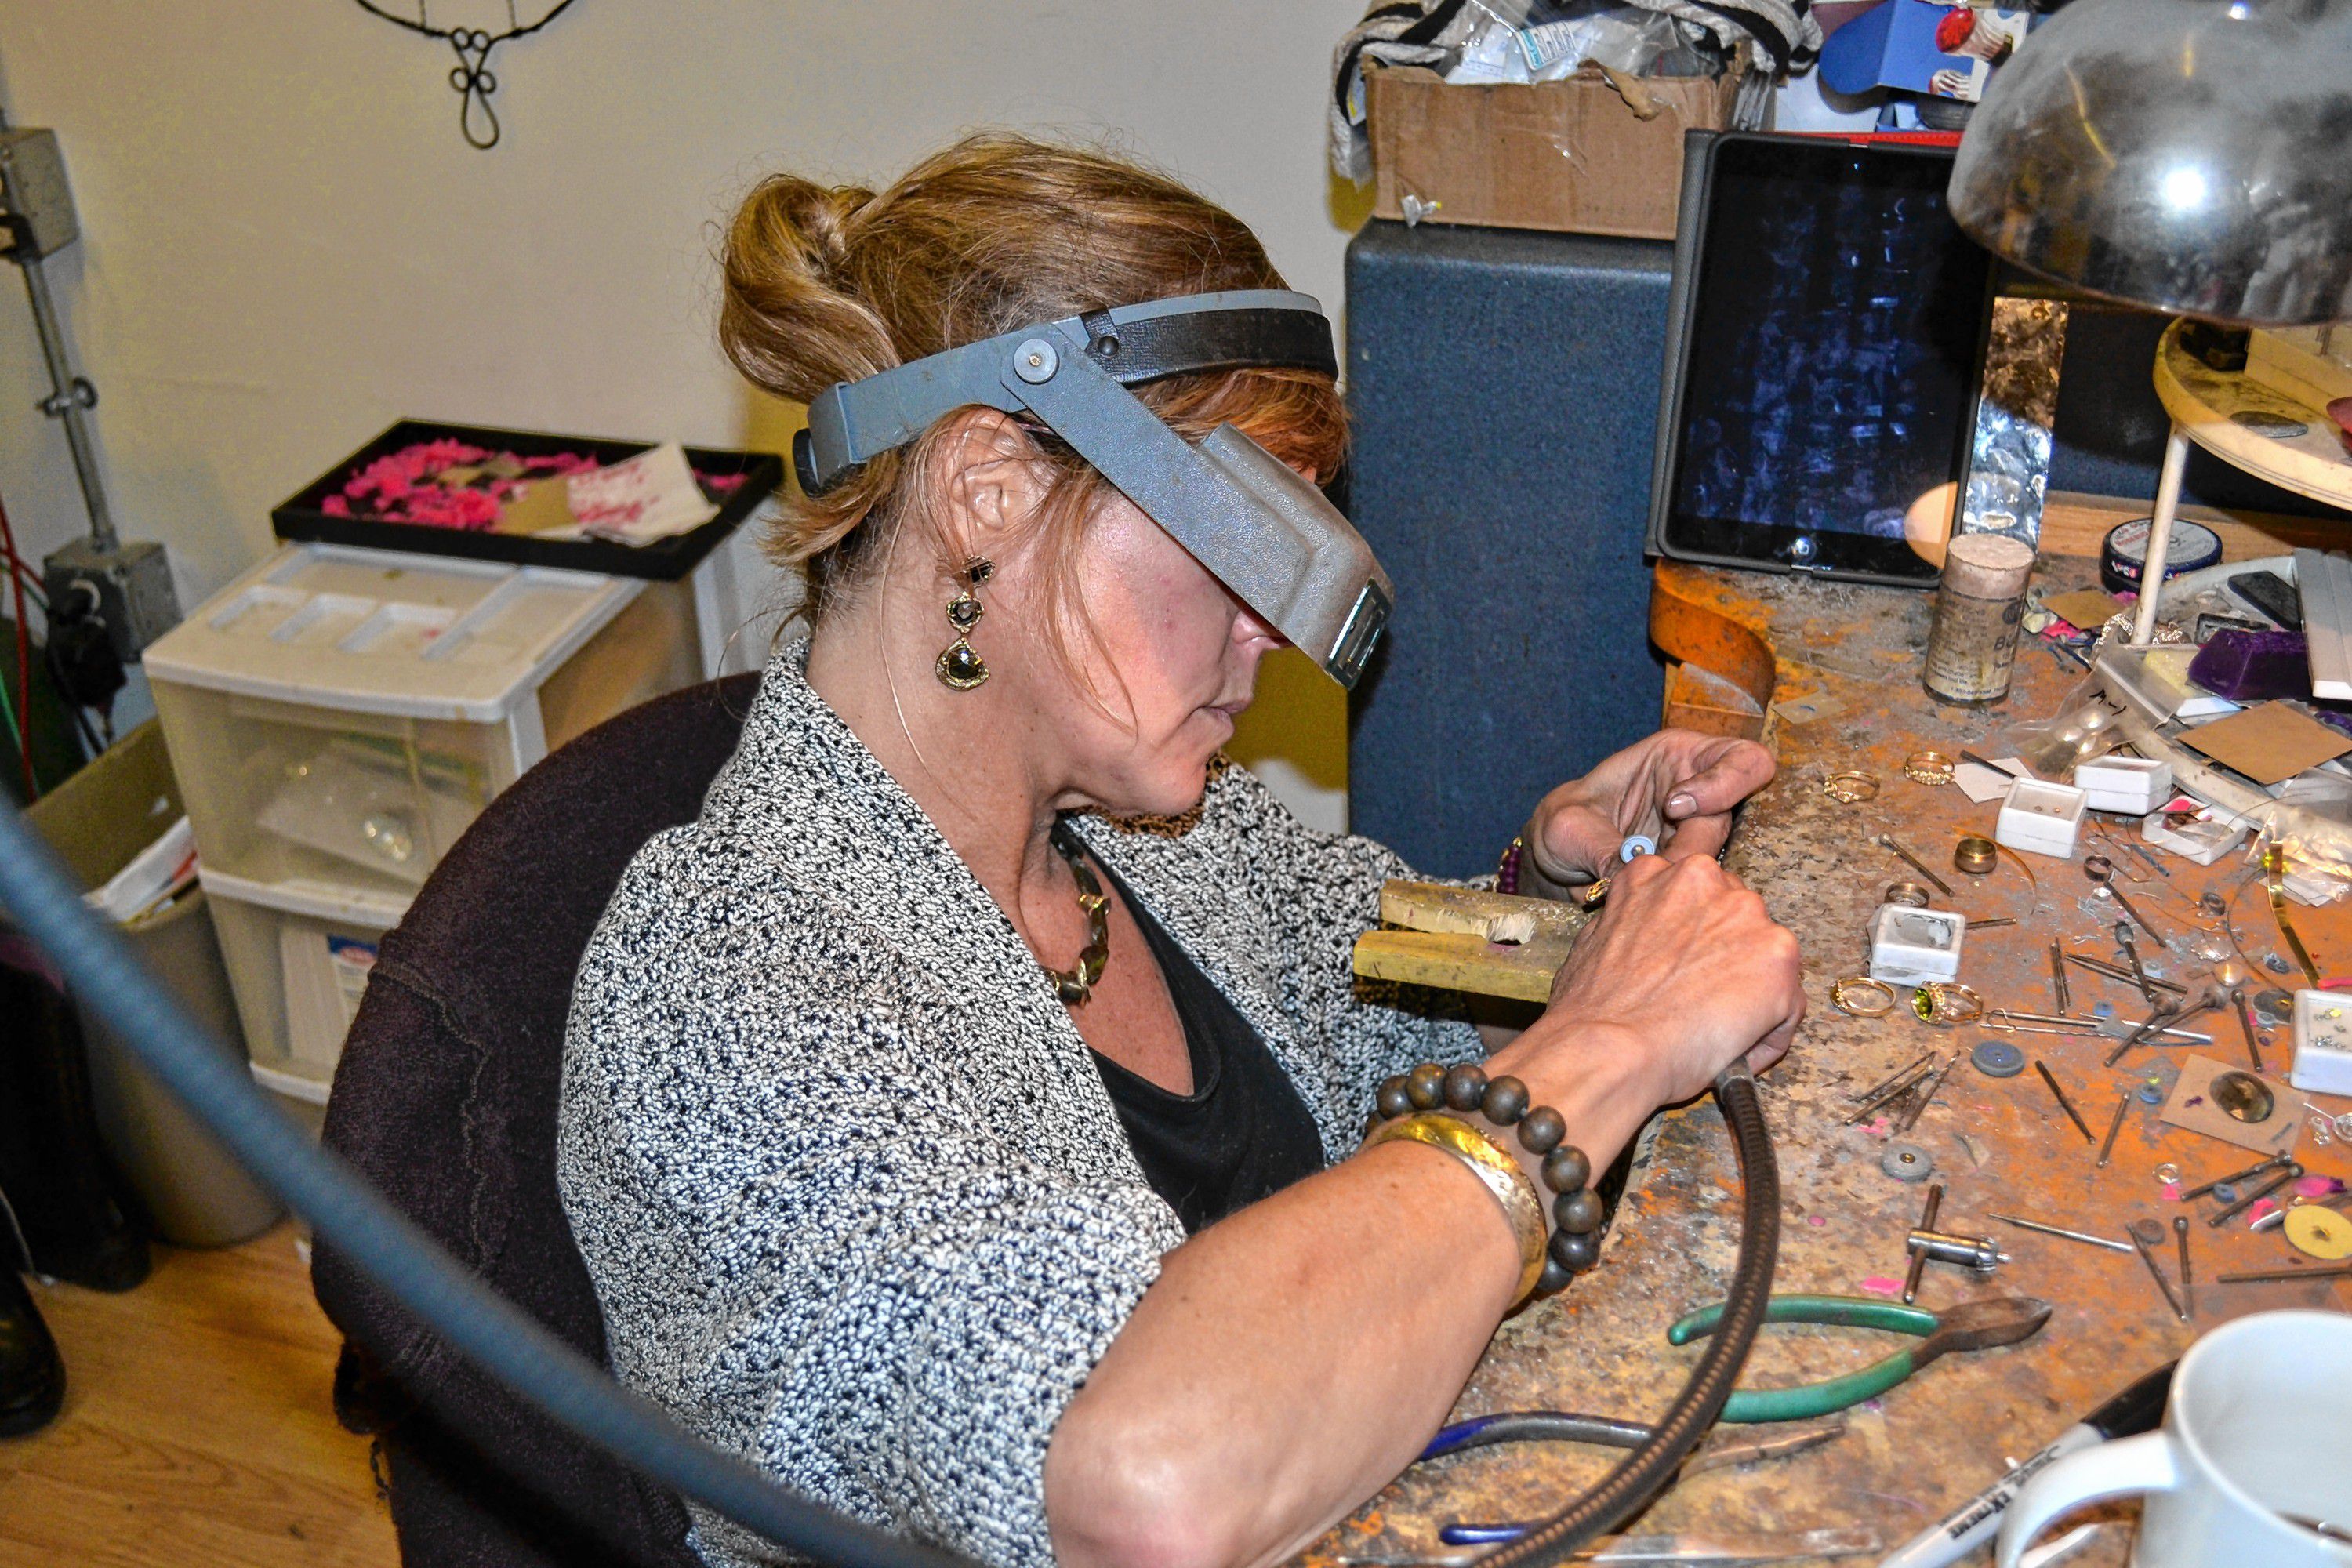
[(1076, 984)]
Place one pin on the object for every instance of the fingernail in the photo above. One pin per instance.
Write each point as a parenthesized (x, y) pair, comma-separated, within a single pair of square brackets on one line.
[(1680, 804)]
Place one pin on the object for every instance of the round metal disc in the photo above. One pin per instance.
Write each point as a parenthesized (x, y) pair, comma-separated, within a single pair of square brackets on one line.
[(1997, 1058), (2148, 1230), (2243, 1096), (2322, 1232), (1906, 1163)]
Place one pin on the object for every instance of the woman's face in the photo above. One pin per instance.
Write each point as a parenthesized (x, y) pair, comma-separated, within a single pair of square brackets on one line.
[(1173, 658)]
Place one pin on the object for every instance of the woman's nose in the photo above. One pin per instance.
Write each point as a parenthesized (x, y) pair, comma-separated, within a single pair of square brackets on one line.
[(1250, 626)]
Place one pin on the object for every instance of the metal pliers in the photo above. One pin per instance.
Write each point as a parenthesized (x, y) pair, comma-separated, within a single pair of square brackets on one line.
[(1561, 1427), (1972, 1326)]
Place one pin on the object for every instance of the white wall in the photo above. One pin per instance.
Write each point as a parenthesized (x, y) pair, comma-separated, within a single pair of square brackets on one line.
[(286, 244)]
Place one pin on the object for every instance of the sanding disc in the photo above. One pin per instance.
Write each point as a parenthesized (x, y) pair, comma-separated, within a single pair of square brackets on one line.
[(1906, 1163), (2322, 1232)]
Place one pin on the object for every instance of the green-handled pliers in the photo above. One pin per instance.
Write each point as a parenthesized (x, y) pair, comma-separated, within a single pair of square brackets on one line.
[(1972, 1326)]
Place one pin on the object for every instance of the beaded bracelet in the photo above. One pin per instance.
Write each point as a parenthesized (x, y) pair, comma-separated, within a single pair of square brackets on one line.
[(1506, 874), (1435, 1105)]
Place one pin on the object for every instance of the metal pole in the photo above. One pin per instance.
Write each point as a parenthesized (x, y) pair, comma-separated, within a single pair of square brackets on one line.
[(2159, 534), (70, 403)]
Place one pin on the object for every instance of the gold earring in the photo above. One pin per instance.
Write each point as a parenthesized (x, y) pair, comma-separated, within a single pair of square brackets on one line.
[(959, 666)]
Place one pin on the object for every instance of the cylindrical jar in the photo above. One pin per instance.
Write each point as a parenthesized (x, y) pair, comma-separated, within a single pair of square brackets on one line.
[(1979, 604)]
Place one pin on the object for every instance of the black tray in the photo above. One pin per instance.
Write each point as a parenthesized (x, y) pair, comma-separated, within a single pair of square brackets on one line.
[(663, 560)]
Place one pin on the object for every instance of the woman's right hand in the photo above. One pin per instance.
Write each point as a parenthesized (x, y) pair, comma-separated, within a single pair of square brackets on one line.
[(1685, 960)]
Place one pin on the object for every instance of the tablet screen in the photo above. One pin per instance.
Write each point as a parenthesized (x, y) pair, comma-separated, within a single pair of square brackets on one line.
[(1831, 353)]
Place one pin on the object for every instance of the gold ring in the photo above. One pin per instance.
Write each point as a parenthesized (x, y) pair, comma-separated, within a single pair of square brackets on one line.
[(1861, 997), (1947, 1002), (1927, 768), (1850, 788), (1975, 854), (1910, 893), (1504, 1175)]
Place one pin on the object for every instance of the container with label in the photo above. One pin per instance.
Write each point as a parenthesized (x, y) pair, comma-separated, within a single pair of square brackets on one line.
[(1978, 606)]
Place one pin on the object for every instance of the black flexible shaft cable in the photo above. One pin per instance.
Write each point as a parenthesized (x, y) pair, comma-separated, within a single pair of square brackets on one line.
[(502, 1339), (1652, 1465), (346, 1212)]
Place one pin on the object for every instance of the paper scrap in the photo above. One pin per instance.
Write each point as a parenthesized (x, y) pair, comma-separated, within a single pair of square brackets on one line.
[(2087, 609), (651, 496), (1981, 784), (1808, 708), (541, 508), (2269, 744), (2191, 1108), (163, 867)]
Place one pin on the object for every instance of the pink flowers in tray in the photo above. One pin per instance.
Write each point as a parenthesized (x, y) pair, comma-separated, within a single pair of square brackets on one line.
[(449, 483)]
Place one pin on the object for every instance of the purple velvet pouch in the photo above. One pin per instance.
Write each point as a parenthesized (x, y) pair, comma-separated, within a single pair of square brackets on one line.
[(2254, 667)]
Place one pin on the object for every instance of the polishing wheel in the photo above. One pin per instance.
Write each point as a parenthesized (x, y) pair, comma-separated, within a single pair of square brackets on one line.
[(2322, 1232)]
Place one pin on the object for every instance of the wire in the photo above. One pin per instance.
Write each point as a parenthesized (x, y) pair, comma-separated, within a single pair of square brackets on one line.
[(389, 1247), (24, 704), (16, 735)]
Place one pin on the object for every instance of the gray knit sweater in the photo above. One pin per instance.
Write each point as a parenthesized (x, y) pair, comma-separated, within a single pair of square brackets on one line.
[(854, 1200)]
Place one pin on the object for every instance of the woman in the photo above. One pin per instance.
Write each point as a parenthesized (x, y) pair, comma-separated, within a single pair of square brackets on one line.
[(1014, 1216)]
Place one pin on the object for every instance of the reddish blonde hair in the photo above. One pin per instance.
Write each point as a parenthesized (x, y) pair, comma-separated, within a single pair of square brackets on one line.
[(828, 284)]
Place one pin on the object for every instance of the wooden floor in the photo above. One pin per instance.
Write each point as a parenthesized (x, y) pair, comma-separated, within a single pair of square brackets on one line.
[(196, 1429)]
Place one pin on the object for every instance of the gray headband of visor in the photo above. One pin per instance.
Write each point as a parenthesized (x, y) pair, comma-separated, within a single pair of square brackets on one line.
[(1256, 523)]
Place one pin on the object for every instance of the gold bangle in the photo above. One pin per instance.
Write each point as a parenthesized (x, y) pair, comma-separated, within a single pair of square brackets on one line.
[(1503, 1174)]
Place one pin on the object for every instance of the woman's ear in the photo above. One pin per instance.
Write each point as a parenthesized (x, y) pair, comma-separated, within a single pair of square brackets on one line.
[(992, 480)]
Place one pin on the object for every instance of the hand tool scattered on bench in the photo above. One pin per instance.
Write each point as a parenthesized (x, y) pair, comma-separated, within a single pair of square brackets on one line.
[(1972, 1326)]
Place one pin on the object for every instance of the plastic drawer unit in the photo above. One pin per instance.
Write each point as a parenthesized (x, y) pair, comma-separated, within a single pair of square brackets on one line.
[(337, 717), (298, 962)]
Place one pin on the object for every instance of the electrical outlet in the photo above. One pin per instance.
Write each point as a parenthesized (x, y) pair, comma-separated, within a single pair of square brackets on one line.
[(132, 583)]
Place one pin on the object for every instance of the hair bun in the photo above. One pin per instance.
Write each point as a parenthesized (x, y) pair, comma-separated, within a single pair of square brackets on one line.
[(791, 317), (827, 216)]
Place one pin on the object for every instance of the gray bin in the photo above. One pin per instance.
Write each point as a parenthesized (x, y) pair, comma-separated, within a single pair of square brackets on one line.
[(193, 1188)]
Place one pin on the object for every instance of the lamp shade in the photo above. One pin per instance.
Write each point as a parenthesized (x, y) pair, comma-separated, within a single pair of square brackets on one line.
[(2192, 156)]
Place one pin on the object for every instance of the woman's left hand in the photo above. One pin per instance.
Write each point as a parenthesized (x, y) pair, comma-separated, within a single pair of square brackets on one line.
[(1677, 787)]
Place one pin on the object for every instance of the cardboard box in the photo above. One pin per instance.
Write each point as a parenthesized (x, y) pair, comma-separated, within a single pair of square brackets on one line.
[(1572, 156)]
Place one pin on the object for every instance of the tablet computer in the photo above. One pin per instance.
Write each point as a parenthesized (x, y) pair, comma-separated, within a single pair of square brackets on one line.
[(1825, 339)]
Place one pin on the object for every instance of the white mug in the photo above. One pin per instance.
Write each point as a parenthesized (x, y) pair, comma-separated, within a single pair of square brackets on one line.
[(2253, 1459)]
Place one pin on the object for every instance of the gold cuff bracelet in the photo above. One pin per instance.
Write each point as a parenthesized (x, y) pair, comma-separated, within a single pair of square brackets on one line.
[(1503, 1174)]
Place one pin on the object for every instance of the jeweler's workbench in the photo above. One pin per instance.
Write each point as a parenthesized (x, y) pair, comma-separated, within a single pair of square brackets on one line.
[(1844, 666)]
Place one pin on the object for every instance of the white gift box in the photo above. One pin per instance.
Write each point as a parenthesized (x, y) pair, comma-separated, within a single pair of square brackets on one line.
[(2042, 818), (2201, 842), (2322, 1043), (2125, 784), (1911, 946)]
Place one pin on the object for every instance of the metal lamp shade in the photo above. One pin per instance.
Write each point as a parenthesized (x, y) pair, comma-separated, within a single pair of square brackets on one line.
[(2193, 156)]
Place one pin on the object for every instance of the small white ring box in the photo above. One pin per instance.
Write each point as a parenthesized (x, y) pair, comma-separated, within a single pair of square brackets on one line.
[(2322, 1043), (1910, 946), (2201, 842), (2125, 784), (2042, 818)]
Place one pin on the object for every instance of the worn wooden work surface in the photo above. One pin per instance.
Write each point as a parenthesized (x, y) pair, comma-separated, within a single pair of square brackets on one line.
[(1849, 698)]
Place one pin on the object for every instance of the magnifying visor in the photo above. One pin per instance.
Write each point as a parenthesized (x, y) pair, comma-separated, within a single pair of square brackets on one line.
[(1254, 522)]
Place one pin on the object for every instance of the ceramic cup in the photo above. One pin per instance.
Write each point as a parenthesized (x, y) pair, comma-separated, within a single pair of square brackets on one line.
[(2249, 1466)]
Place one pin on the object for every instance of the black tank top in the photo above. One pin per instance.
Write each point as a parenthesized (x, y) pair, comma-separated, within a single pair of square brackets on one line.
[(1243, 1134)]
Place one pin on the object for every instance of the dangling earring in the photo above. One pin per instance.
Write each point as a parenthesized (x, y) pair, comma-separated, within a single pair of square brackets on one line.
[(959, 666)]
